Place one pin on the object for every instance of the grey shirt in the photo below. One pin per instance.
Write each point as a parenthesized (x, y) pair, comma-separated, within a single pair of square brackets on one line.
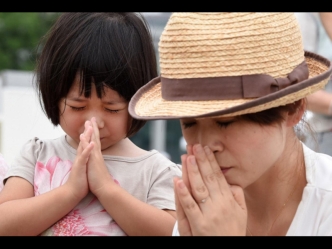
[(46, 164)]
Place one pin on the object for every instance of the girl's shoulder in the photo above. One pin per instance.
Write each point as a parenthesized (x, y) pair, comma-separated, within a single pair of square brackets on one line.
[(156, 156), (150, 161), (37, 149), (37, 143), (162, 161), (3, 170)]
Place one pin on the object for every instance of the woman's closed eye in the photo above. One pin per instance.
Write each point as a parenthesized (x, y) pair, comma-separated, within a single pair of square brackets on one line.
[(188, 124), (224, 124)]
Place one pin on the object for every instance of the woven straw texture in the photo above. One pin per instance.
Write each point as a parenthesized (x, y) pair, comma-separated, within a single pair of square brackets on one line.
[(195, 45), (199, 45)]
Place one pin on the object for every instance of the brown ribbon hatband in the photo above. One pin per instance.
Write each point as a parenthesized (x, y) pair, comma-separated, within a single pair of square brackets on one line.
[(230, 87)]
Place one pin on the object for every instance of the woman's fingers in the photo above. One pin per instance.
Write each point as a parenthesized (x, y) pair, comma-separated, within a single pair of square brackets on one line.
[(183, 223), (189, 148), (215, 170), (185, 171), (205, 176), (197, 184), (238, 195), (213, 207), (189, 214)]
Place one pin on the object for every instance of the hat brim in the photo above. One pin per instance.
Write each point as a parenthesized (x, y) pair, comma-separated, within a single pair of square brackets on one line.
[(147, 103)]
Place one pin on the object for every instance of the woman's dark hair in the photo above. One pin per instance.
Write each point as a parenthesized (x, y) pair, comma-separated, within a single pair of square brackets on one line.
[(112, 49), (275, 116)]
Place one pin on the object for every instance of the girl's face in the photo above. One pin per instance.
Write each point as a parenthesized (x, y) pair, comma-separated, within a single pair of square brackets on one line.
[(243, 149), (111, 113)]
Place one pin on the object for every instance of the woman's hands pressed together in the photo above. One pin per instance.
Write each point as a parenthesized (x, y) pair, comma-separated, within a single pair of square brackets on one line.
[(205, 203)]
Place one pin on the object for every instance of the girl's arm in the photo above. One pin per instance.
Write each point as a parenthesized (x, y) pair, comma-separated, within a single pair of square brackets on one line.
[(136, 218), (23, 213)]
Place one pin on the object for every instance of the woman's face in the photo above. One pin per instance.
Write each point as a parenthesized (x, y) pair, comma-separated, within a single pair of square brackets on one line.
[(243, 149)]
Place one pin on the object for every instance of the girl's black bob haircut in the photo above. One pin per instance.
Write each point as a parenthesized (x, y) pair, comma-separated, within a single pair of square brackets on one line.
[(108, 49)]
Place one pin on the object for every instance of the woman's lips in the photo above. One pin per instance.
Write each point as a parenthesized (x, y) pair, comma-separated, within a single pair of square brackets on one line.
[(224, 170)]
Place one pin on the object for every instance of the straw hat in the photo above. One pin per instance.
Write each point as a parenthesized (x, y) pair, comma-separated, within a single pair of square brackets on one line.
[(228, 64)]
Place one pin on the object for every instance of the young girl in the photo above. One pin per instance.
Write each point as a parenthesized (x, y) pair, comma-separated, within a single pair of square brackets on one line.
[(93, 180), (238, 82)]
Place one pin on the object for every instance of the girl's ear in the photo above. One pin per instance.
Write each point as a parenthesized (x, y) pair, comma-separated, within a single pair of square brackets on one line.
[(295, 113)]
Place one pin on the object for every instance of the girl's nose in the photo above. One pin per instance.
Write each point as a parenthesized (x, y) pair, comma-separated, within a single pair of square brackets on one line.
[(100, 122)]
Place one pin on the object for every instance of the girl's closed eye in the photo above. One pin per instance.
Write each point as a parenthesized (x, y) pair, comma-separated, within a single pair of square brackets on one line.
[(112, 111), (77, 108)]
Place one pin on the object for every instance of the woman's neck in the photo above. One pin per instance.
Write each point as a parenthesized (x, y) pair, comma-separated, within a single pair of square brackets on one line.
[(273, 199)]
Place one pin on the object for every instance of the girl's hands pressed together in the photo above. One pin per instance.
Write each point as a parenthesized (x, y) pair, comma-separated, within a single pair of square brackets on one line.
[(205, 203), (78, 175), (98, 175)]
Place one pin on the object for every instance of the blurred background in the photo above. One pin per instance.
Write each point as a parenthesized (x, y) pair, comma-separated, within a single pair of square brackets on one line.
[(21, 117)]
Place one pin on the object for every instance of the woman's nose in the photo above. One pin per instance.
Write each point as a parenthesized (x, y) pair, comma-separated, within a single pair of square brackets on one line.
[(211, 139)]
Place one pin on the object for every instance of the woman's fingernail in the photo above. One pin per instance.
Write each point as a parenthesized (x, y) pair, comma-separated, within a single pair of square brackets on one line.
[(181, 184), (192, 160), (207, 150)]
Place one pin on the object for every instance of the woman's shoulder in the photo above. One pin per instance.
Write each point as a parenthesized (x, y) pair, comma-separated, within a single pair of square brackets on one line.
[(318, 169)]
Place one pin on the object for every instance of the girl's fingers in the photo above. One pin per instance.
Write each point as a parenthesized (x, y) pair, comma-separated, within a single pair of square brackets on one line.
[(183, 223), (87, 150), (95, 134), (85, 147), (85, 137)]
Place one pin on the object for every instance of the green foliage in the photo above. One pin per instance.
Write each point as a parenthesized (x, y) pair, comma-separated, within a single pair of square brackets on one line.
[(20, 33)]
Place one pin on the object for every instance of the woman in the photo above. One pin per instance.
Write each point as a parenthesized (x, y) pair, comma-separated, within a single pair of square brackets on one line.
[(238, 83)]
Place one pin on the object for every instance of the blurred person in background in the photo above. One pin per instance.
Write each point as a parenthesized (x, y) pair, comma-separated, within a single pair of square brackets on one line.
[(316, 28)]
